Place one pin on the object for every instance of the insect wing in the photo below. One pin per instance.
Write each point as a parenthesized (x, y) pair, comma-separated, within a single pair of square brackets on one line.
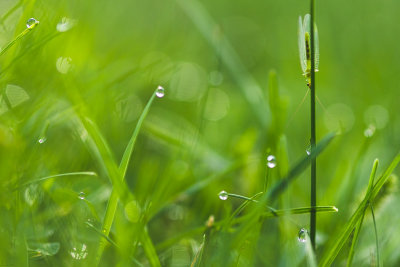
[(302, 46)]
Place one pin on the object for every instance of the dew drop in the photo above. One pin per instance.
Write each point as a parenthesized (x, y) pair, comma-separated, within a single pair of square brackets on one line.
[(31, 23), (271, 161), (302, 236), (370, 131), (308, 150), (160, 92), (81, 195), (64, 64), (65, 24), (223, 195), (42, 140)]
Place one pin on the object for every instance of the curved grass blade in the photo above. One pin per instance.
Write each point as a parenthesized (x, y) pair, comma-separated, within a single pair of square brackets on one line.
[(303, 210), (334, 249), (19, 36), (38, 180), (359, 224), (376, 235), (113, 201)]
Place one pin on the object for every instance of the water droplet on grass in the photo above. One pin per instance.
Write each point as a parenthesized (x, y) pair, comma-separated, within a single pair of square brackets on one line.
[(30, 23), (302, 236), (133, 211), (160, 91), (308, 150), (271, 161), (370, 131), (65, 24), (223, 195), (64, 64), (42, 140), (81, 195)]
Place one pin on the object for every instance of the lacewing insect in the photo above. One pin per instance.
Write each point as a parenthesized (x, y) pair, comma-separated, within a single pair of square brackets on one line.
[(305, 47)]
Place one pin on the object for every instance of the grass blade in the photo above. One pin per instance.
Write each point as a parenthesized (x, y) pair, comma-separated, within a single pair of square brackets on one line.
[(359, 224), (334, 249), (38, 180), (376, 235), (113, 201), (19, 36)]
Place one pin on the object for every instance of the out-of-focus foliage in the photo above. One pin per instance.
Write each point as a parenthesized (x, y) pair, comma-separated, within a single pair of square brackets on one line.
[(97, 63)]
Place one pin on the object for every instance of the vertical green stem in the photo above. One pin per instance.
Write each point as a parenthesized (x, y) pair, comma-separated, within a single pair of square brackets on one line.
[(313, 219)]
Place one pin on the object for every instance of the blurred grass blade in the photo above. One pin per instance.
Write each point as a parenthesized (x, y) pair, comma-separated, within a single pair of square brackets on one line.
[(113, 201), (199, 255), (359, 224), (311, 259), (333, 250), (38, 180), (110, 241), (299, 167), (250, 88), (149, 249), (376, 235), (303, 210)]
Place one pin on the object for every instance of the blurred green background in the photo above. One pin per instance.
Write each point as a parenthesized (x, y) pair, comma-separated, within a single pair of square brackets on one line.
[(212, 131)]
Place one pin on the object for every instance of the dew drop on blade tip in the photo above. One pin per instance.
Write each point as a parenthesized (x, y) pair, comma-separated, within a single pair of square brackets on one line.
[(30, 23), (160, 92), (223, 195)]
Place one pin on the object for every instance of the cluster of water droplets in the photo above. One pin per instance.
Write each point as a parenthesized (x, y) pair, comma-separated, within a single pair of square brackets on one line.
[(79, 252)]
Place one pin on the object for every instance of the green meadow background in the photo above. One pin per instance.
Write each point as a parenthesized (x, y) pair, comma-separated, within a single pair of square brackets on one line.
[(234, 94)]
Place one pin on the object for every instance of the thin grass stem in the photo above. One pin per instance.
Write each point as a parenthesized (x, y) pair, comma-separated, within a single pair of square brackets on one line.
[(376, 235), (313, 217)]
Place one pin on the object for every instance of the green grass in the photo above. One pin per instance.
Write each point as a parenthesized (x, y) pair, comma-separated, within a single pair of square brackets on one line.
[(98, 171)]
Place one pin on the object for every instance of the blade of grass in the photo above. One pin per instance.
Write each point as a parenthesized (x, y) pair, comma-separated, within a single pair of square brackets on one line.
[(38, 180), (110, 241), (333, 250), (149, 249), (376, 235), (302, 210), (311, 259), (113, 201), (19, 36), (359, 224)]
